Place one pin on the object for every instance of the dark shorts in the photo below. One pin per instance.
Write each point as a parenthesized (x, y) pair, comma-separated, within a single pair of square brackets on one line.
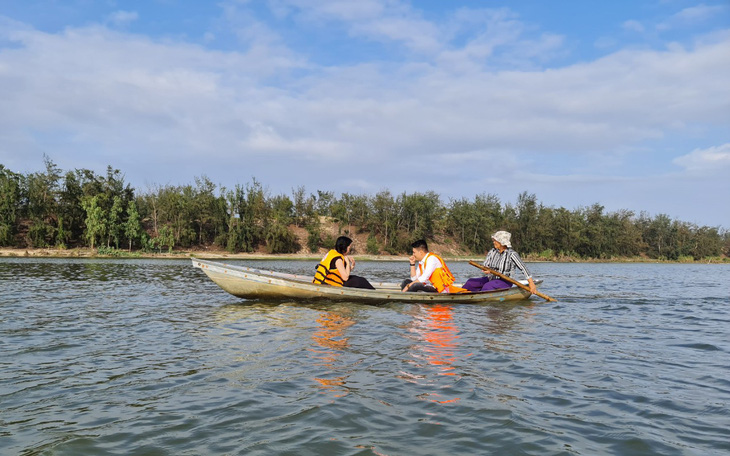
[(358, 282), (418, 286)]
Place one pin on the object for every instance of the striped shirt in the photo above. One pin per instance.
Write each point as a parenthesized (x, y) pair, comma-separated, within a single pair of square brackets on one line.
[(505, 262)]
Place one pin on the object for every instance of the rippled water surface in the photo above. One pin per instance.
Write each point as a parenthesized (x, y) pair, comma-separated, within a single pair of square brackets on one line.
[(149, 357)]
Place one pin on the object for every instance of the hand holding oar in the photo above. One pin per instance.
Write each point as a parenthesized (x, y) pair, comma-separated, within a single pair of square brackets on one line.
[(511, 280)]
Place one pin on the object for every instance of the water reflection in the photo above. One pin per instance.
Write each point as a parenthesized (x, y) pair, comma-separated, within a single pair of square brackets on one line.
[(505, 325), (330, 342), (435, 349)]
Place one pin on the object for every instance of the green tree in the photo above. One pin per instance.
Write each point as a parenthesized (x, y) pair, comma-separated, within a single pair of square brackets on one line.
[(708, 243), (95, 220), (383, 219), (10, 200), (622, 234), (133, 226), (658, 237), (372, 245), (209, 211), (420, 211), (114, 226), (70, 209), (323, 202), (166, 238), (62, 234), (527, 214), (279, 239), (314, 235), (282, 210), (303, 206), (566, 232), (248, 214), (474, 222), (342, 211), (592, 241), (42, 191)]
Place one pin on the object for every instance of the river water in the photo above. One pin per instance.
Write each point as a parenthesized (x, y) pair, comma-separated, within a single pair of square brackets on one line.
[(149, 357)]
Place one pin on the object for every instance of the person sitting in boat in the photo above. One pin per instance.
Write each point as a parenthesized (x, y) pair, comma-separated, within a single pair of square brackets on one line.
[(335, 267), (502, 259), (432, 274)]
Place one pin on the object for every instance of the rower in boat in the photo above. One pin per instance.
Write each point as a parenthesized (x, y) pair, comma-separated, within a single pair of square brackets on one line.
[(503, 259)]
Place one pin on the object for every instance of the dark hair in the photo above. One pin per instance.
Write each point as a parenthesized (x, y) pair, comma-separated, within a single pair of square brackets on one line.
[(420, 244), (342, 243)]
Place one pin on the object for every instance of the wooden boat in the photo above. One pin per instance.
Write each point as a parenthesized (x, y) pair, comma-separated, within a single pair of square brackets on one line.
[(251, 283)]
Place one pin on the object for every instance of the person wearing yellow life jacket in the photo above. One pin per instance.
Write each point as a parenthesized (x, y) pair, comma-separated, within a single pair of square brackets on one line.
[(336, 267), (430, 274)]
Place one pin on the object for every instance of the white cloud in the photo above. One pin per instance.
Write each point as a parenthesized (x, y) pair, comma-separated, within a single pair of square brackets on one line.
[(706, 161), (700, 12), (461, 40), (693, 16), (123, 18), (634, 26), (323, 10), (92, 96), (92, 80)]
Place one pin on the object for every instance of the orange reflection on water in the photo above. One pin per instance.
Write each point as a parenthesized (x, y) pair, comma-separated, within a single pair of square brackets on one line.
[(329, 343), (441, 333), (437, 329)]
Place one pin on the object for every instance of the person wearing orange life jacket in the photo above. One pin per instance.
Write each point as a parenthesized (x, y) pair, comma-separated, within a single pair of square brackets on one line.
[(336, 267), (431, 275)]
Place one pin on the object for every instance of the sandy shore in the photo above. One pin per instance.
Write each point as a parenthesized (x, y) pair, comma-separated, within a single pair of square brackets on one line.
[(214, 254), (203, 254)]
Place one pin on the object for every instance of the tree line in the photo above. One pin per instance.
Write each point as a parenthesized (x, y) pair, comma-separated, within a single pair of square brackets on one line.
[(53, 208)]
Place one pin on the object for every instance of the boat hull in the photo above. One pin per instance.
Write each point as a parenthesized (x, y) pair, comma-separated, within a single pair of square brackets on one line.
[(250, 283)]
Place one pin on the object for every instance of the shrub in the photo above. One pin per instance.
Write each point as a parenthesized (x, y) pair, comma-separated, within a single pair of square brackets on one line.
[(280, 240), (314, 238), (372, 245), (547, 254)]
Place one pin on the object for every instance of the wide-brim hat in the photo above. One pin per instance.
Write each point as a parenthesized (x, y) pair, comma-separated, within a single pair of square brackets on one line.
[(503, 237)]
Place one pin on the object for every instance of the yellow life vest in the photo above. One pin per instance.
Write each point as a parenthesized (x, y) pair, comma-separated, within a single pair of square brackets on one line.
[(442, 278), (326, 276)]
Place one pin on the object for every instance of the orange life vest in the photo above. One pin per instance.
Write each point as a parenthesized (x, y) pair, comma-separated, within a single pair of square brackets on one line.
[(442, 278), (325, 275)]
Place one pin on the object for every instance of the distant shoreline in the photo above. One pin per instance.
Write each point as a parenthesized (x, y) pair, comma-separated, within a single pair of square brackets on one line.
[(87, 253)]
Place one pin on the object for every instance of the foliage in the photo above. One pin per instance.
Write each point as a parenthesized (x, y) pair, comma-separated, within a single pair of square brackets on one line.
[(165, 238), (95, 219), (314, 235), (114, 227), (472, 223), (372, 246), (279, 239), (81, 207), (62, 235), (10, 200), (132, 227)]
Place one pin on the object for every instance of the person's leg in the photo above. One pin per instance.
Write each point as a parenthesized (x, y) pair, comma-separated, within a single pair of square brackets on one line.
[(358, 282), (420, 286), (475, 283), (496, 284), (404, 283)]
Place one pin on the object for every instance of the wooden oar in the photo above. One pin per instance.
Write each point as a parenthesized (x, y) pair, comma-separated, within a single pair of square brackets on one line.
[(511, 280)]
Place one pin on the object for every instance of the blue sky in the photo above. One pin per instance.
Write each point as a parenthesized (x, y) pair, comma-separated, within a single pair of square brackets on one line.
[(622, 103)]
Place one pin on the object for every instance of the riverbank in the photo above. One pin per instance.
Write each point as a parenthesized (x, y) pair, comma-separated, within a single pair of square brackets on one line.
[(213, 254)]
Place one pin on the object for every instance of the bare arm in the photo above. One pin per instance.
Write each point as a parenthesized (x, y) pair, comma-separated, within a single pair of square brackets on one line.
[(344, 268)]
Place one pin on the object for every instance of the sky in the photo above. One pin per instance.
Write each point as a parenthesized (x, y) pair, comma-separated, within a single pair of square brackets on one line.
[(623, 103)]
